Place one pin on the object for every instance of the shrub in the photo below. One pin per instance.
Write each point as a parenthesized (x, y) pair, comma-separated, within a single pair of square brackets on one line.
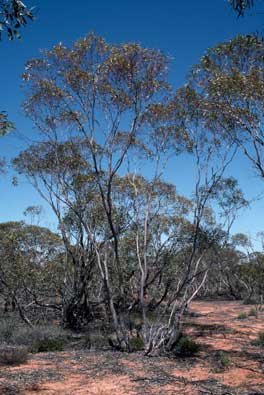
[(242, 316), (186, 347), (37, 339), (260, 340), (44, 339), (224, 359), (13, 355), (136, 343), (45, 345), (253, 313)]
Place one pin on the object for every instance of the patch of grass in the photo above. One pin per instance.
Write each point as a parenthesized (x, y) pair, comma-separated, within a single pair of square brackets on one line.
[(186, 347), (13, 355), (242, 316)]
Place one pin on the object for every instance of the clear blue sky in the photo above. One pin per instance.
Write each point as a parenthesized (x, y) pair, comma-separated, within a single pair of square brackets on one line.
[(181, 29)]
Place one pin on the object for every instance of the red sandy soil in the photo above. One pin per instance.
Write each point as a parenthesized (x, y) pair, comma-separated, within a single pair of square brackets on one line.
[(215, 327)]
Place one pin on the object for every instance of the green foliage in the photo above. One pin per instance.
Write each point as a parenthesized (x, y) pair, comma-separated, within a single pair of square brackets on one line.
[(13, 355), (224, 359), (104, 104), (228, 87), (13, 15), (260, 340), (29, 259), (45, 345), (242, 316), (5, 125), (186, 347), (253, 313), (40, 339), (136, 344), (37, 339)]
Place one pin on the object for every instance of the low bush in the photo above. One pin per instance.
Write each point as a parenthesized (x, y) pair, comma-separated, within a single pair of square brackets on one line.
[(41, 339), (253, 313), (45, 345), (13, 355), (224, 359), (136, 343), (242, 316), (37, 339), (260, 340), (186, 347)]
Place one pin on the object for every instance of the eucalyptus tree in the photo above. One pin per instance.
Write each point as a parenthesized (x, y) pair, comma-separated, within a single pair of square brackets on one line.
[(214, 206), (98, 107), (97, 93), (229, 84), (129, 241)]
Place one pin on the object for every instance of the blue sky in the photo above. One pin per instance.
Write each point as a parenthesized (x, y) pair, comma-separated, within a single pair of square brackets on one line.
[(181, 29)]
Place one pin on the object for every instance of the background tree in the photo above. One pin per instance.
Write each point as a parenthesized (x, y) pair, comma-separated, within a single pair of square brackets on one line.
[(30, 259)]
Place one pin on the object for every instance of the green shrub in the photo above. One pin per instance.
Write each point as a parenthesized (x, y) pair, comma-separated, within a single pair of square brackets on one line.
[(44, 339), (260, 340), (242, 316), (37, 339), (253, 313), (45, 345), (186, 347), (13, 355), (224, 359), (136, 344)]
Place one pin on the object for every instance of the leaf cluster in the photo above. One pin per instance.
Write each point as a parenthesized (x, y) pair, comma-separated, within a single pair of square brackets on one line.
[(13, 15)]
